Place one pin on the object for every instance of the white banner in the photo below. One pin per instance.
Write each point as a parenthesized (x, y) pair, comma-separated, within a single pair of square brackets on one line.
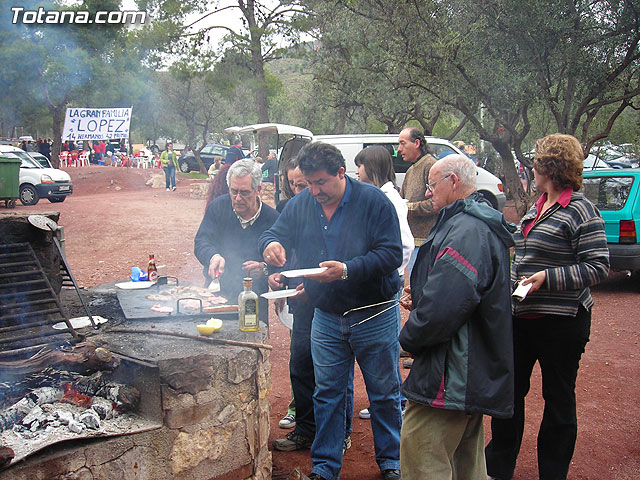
[(96, 123)]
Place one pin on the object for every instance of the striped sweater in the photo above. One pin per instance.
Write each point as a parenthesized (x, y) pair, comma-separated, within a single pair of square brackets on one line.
[(570, 245)]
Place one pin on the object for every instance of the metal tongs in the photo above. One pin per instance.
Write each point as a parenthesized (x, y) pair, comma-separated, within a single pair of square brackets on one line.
[(394, 302)]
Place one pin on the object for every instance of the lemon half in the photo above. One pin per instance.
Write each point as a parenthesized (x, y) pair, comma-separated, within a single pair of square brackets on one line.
[(216, 323), (205, 329)]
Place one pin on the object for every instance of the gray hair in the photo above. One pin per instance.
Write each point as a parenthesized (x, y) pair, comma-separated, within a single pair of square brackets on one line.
[(245, 167), (462, 166)]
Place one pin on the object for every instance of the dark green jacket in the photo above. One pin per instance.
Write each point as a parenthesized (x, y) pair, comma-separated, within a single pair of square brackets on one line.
[(460, 330)]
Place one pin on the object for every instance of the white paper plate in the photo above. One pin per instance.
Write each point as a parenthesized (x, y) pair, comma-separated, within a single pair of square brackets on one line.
[(134, 285), (80, 322), (302, 272), (285, 317), (280, 294)]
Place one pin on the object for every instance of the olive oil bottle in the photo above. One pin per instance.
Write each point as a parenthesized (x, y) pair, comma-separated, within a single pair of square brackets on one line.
[(248, 307)]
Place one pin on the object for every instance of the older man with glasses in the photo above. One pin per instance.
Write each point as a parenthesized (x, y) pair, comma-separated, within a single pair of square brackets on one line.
[(227, 241), (459, 331)]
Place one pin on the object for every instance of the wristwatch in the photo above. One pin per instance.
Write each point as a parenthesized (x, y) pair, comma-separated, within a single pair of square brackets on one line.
[(344, 272), (265, 270)]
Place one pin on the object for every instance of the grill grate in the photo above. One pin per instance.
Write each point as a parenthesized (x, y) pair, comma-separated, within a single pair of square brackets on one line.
[(28, 304)]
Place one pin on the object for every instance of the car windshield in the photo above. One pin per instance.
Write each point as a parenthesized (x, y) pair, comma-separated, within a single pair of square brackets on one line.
[(608, 193), (25, 159)]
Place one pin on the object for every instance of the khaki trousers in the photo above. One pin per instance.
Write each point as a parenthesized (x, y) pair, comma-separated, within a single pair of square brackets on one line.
[(438, 444)]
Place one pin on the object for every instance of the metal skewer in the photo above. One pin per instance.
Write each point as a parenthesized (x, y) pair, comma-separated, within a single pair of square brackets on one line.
[(375, 305)]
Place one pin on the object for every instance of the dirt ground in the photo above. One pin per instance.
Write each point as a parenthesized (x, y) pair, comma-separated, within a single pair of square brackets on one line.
[(113, 221)]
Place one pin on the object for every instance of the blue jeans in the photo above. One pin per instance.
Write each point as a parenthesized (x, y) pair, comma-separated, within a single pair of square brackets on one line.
[(169, 176), (303, 380), (335, 346)]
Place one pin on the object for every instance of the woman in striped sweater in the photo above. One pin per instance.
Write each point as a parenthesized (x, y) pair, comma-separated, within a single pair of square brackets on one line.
[(561, 250)]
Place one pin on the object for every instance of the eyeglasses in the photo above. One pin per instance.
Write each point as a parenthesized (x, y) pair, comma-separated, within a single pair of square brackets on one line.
[(431, 186), (243, 193)]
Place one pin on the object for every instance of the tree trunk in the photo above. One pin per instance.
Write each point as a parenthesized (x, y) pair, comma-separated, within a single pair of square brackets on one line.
[(512, 178), (57, 112)]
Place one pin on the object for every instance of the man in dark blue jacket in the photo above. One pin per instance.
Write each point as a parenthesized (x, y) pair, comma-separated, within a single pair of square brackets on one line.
[(351, 229), (459, 331), (227, 241)]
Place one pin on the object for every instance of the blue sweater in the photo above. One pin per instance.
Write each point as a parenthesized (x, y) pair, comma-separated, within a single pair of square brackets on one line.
[(369, 244)]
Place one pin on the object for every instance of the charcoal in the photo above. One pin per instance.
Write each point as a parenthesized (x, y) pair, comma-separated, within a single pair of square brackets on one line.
[(36, 414), (76, 427), (91, 419), (65, 417), (103, 407)]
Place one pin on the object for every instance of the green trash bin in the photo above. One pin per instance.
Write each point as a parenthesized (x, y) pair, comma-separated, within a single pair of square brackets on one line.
[(9, 180)]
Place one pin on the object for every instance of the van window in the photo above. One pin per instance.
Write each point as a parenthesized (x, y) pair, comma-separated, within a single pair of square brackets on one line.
[(399, 165)]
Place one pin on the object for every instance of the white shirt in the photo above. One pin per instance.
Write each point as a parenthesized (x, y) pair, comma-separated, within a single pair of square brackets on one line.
[(405, 232)]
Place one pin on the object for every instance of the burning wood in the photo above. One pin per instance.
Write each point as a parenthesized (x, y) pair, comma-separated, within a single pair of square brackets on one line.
[(6, 455), (71, 395)]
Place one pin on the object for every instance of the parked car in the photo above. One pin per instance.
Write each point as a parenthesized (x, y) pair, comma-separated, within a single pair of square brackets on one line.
[(593, 162), (487, 184), (614, 156), (188, 163), (41, 159), (616, 193), (37, 182)]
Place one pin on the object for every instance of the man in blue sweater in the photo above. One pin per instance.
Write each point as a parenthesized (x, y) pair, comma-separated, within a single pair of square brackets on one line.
[(351, 229), (227, 241)]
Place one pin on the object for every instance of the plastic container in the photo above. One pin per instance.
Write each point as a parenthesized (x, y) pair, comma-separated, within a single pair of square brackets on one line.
[(9, 180)]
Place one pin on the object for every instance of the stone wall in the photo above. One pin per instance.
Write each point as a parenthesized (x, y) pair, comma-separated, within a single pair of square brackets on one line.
[(215, 426)]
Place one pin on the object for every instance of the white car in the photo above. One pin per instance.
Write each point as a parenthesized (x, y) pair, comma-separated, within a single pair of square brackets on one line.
[(37, 182), (487, 184)]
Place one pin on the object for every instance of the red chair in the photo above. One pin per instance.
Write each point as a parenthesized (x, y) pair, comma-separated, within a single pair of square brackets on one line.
[(74, 158)]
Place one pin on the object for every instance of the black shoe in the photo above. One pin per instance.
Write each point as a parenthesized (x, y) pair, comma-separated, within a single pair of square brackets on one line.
[(315, 476), (391, 475), (292, 441)]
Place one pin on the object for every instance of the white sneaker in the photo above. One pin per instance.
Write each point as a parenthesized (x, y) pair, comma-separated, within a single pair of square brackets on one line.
[(364, 414), (288, 421), (167, 189), (173, 188)]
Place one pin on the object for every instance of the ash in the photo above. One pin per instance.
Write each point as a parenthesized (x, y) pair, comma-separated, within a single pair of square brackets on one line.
[(51, 423)]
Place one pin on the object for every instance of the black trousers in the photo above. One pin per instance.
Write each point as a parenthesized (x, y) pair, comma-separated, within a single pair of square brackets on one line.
[(303, 381), (557, 343)]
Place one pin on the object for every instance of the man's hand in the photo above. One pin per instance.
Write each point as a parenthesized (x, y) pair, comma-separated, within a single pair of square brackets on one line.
[(275, 254), (536, 280), (216, 266), (331, 274), (253, 269), (276, 281), (406, 302)]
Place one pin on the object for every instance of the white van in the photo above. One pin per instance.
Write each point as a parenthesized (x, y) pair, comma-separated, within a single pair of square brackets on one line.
[(37, 182), (487, 184)]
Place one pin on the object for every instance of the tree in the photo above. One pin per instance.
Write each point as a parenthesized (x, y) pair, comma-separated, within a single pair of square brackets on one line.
[(264, 27), (497, 61), (69, 64)]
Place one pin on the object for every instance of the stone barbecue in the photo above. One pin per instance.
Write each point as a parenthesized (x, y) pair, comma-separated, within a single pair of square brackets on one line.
[(203, 411)]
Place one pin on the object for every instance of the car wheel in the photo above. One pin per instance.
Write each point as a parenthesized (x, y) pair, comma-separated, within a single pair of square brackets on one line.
[(57, 199), (184, 166), (28, 195)]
